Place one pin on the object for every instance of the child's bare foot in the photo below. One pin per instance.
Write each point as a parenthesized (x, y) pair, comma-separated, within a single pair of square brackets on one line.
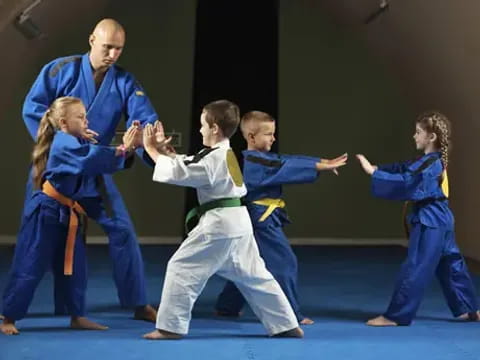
[(473, 316), (7, 327), (146, 313), (294, 333), (307, 321), (221, 313), (82, 323), (381, 321), (162, 335)]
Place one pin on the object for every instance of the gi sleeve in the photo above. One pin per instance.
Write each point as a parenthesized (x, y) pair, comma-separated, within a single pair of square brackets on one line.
[(278, 170), (86, 159), (139, 107), (406, 185), (182, 171)]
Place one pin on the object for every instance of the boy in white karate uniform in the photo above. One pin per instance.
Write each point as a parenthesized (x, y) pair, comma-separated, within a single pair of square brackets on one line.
[(222, 242)]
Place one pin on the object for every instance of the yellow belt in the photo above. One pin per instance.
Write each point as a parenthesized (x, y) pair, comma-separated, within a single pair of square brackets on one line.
[(271, 205)]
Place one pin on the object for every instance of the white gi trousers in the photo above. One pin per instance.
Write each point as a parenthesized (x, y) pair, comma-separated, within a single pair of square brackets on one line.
[(236, 259)]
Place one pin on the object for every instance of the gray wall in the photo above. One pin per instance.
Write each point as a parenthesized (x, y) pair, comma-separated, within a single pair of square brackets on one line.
[(433, 48), (336, 97), (344, 86), (159, 51)]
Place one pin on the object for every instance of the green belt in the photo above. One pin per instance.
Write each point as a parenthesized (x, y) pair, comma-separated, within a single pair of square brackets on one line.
[(196, 213)]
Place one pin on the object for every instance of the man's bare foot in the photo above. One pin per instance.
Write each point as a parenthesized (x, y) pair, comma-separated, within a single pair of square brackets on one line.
[(162, 335), (294, 333), (82, 323), (7, 327), (381, 321), (227, 314), (473, 316), (146, 313), (307, 321)]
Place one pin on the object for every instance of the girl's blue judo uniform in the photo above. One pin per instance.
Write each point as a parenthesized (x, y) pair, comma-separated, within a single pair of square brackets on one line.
[(71, 165), (432, 248)]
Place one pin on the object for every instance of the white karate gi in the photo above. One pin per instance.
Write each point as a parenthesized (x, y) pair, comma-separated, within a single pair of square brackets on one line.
[(221, 243)]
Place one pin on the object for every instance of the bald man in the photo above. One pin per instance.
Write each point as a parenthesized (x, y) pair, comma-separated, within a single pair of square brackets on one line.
[(108, 92)]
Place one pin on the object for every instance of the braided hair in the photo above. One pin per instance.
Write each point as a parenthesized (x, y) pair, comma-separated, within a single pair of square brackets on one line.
[(437, 123)]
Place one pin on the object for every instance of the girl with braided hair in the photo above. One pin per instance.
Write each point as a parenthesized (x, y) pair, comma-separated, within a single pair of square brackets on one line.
[(432, 248)]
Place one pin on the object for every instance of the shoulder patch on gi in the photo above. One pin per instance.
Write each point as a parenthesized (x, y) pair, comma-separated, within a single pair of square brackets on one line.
[(234, 168), (139, 89), (263, 161), (199, 156), (62, 63)]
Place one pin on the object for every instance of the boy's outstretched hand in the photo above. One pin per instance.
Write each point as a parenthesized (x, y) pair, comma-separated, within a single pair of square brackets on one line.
[(367, 167), (333, 164), (159, 131), (163, 143), (154, 140)]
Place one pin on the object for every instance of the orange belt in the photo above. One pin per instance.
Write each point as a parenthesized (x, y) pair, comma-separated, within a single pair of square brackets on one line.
[(72, 225)]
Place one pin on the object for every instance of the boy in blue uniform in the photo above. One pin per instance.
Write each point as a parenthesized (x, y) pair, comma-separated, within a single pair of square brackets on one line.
[(264, 174), (432, 249)]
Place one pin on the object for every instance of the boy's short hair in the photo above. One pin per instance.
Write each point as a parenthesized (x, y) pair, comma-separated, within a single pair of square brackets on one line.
[(252, 120), (225, 114)]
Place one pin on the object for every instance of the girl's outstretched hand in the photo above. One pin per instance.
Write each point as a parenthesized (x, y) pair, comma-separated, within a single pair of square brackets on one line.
[(367, 167)]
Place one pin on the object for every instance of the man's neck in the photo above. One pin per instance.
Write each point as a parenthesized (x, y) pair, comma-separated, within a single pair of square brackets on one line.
[(97, 69), (98, 74)]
